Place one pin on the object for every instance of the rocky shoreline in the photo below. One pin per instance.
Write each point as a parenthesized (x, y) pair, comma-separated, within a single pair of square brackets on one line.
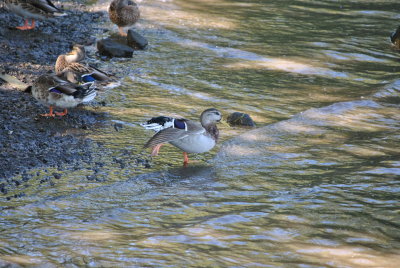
[(29, 141)]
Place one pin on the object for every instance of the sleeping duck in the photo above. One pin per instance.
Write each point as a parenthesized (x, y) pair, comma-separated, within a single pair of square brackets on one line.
[(123, 13), (68, 67), (53, 91), (187, 135), (33, 9)]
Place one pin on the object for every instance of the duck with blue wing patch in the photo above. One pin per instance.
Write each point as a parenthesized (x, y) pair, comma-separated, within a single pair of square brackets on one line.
[(69, 67), (53, 91), (187, 135)]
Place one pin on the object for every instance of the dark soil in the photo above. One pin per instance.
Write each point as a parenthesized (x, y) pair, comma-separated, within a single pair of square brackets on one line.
[(27, 140)]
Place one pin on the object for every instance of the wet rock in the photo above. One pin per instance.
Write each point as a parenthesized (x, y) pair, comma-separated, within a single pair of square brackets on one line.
[(91, 177), (110, 48), (240, 119), (395, 37), (3, 188), (118, 126), (136, 40)]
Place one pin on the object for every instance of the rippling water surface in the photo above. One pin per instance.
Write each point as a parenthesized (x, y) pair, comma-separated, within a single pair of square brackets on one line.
[(315, 185)]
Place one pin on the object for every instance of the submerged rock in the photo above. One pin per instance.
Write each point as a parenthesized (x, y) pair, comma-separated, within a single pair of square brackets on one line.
[(110, 48), (136, 40), (395, 37), (240, 119)]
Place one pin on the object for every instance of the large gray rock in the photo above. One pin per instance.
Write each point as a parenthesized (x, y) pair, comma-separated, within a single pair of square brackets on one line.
[(136, 40), (240, 119), (111, 48)]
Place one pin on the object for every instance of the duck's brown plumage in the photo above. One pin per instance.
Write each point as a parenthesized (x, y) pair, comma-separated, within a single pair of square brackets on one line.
[(123, 13)]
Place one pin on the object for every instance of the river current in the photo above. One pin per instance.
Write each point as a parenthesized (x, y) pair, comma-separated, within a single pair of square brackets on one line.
[(316, 184)]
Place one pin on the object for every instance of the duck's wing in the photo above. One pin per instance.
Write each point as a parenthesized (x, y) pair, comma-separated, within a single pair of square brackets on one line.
[(57, 85), (174, 133), (99, 74), (63, 89), (194, 127), (76, 72), (77, 68)]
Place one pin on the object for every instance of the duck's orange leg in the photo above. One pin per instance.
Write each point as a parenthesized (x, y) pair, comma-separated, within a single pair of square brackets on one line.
[(26, 25), (50, 112), (63, 113), (185, 159), (122, 32), (156, 149)]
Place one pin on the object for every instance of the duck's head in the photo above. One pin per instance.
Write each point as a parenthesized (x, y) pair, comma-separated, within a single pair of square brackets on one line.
[(76, 54), (210, 116)]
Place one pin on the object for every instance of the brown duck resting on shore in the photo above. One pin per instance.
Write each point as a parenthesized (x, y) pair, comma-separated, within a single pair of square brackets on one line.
[(123, 13), (56, 92), (33, 9), (68, 67)]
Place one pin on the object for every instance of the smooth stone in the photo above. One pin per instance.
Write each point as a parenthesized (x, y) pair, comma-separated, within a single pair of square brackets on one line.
[(395, 35), (240, 119), (136, 40), (110, 48)]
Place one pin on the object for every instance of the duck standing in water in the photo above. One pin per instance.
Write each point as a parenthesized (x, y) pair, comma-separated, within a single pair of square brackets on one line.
[(187, 135), (33, 9), (68, 67), (53, 91), (123, 13)]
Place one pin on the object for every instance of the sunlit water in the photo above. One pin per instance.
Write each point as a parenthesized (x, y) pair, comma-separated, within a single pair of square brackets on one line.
[(315, 185)]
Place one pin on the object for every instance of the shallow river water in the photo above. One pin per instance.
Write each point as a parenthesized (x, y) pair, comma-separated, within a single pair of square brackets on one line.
[(316, 184)]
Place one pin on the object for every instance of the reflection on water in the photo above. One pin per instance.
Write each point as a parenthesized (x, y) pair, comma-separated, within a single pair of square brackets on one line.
[(316, 185)]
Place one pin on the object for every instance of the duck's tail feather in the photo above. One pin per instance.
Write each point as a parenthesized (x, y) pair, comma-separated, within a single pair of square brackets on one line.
[(86, 92), (99, 76), (158, 123), (94, 76), (163, 122)]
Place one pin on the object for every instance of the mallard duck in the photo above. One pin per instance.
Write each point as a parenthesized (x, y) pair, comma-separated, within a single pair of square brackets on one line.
[(53, 91), (395, 37), (123, 13), (69, 68), (33, 9), (187, 135)]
